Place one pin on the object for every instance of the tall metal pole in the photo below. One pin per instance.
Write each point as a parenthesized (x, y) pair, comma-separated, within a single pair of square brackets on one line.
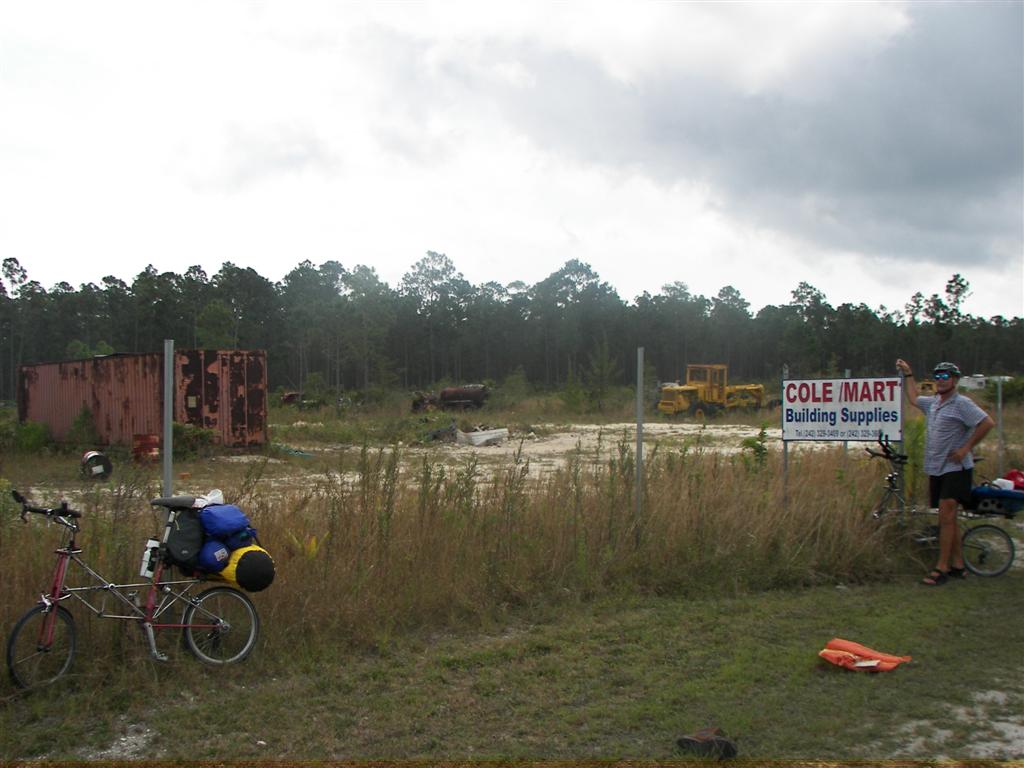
[(169, 394), (639, 438), (785, 443), (999, 422)]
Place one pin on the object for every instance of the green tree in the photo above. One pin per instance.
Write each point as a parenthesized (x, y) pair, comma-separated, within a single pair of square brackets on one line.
[(440, 294), (603, 372), (729, 325), (370, 318), (215, 326), (817, 317), (15, 276)]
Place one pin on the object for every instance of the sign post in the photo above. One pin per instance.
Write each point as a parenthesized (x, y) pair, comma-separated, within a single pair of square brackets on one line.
[(785, 448)]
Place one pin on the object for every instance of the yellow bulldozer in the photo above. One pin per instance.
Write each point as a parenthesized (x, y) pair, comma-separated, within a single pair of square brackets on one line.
[(707, 392)]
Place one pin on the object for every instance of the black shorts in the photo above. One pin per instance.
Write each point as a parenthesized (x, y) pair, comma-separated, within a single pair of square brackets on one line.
[(952, 485)]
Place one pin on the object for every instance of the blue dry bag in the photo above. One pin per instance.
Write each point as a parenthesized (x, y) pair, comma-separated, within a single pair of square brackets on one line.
[(222, 520), (214, 556)]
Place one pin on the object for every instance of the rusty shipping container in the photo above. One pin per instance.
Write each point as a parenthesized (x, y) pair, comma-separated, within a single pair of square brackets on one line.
[(222, 390)]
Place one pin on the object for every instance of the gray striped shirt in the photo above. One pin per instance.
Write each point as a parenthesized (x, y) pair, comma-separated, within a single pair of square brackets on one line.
[(950, 423)]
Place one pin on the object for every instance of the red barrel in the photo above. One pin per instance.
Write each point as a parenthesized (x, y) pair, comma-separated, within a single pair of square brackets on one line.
[(146, 448)]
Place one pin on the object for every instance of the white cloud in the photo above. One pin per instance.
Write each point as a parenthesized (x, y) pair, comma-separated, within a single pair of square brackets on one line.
[(369, 133)]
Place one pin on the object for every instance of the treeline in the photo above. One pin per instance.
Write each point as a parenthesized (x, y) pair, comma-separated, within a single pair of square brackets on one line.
[(329, 326)]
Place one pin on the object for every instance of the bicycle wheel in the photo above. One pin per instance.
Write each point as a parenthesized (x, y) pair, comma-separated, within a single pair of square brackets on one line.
[(32, 664), (222, 626), (988, 550)]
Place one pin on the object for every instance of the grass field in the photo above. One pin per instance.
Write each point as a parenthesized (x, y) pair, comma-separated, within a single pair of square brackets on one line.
[(618, 677), (426, 608)]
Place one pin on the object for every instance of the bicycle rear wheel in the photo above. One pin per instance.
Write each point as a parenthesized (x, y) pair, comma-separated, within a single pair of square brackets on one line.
[(30, 660), (222, 626), (988, 550)]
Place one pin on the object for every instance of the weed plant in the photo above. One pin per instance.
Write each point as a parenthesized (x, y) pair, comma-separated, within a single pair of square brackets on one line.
[(367, 550), (376, 542)]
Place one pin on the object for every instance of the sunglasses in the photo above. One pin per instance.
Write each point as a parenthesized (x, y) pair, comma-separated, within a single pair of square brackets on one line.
[(941, 376)]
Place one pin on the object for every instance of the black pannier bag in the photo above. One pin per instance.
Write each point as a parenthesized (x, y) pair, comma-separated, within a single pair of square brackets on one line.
[(186, 540)]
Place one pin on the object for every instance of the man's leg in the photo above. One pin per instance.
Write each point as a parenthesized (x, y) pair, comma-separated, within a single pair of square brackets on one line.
[(950, 551), (956, 552)]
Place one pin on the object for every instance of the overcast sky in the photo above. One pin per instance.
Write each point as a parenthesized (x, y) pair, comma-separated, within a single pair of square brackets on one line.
[(871, 150)]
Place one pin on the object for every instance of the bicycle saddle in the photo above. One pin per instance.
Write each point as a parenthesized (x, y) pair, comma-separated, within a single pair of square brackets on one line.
[(174, 502)]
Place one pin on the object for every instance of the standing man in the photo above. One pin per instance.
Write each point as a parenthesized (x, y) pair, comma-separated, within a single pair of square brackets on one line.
[(955, 426)]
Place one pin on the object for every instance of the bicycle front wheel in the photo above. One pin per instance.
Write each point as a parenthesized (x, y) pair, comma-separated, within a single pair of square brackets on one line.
[(221, 626), (41, 646), (988, 550)]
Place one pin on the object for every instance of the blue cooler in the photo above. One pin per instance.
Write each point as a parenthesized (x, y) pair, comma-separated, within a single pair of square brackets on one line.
[(990, 500)]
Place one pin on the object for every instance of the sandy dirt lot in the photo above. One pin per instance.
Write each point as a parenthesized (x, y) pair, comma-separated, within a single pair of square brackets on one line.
[(553, 445)]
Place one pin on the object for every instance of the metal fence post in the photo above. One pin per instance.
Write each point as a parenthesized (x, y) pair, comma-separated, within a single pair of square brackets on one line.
[(169, 395), (999, 423), (639, 439)]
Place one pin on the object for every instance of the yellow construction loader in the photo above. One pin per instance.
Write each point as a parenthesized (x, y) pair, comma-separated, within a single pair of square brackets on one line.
[(707, 391)]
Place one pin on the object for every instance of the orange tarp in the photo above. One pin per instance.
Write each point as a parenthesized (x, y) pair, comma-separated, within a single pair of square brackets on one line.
[(851, 655)]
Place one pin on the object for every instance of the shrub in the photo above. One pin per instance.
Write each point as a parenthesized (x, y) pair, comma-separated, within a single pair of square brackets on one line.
[(83, 433), (573, 395), (191, 441), (31, 437), (8, 425)]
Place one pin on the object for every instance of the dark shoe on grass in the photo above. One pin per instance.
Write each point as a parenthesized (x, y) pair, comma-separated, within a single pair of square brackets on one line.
[(936, 578), (707, 742), (958, 573)]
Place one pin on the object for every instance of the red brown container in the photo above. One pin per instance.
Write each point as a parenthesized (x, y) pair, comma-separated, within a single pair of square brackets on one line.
[(222, 390), (146, 448), (123, 392)]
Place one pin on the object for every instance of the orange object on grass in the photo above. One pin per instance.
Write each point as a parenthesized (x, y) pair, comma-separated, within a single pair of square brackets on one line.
[(851, 655)]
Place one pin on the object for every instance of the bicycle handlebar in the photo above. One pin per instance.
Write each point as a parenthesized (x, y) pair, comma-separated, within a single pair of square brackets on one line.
[(888, 453), (58, 512)]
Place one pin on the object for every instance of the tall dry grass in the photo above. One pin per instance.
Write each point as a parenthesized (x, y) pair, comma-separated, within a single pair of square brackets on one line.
[(382, 545)]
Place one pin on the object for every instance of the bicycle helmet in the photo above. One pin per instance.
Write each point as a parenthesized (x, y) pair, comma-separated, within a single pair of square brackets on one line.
[(949, 368)]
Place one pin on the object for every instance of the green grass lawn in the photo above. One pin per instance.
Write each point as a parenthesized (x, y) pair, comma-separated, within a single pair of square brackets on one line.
[(618, 678)]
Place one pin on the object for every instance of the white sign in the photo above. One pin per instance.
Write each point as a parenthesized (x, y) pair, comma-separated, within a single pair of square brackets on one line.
[(842, 409)]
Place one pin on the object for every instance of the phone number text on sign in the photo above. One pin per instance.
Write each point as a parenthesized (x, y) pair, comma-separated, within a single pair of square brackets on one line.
[(842, 409)]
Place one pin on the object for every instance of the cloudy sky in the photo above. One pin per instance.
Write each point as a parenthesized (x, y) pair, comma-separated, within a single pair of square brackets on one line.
[(871, 150)]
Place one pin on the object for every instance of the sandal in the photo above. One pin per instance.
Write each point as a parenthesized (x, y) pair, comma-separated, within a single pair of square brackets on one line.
[(936, 578), (957, 573)]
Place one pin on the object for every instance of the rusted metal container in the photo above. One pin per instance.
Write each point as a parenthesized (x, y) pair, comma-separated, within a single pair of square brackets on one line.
[(222, 390), (466, 396), (124, 393)]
